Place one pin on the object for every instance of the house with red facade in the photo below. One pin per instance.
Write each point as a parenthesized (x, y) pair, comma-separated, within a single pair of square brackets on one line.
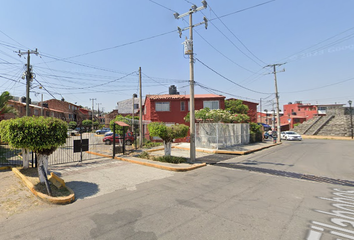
[(34, 110), (172, 108), (71, 112), (299, 112)]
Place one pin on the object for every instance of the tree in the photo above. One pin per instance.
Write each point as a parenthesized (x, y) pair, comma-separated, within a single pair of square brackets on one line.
[(218, 115), (236, 107), (87, 124), (72, 124), (4, 108), (37, 134), (167, 133)]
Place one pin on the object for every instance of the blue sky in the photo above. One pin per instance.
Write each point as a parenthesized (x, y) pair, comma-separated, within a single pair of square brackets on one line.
[(93, 50)]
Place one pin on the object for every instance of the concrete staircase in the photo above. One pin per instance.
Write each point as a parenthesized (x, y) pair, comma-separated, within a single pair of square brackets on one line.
[(305, 126), (325, 126), (337, 126)]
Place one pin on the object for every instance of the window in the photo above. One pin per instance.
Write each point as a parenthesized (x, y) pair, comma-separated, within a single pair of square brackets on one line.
[(162, 106), (211, 104), (36, 112), (183, 106), (47, 113)]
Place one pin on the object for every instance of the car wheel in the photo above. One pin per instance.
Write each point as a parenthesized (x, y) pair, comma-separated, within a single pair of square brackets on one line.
[(128, 142), (108, 142)]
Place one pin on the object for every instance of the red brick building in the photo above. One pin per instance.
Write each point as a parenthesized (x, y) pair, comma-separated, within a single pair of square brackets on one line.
[(34, 110), (172, 108), (71, 112)]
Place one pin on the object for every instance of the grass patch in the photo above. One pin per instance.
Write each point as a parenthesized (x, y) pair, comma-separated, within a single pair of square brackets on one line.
[(150, 144), (32, 175), (168, 159)]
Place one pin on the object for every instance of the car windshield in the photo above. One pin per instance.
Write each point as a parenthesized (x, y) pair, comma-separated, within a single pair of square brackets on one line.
[(291, 133)]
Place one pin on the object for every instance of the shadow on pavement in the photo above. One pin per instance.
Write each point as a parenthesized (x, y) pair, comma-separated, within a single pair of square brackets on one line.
[(214, 158), (254, 162), (83, 189)]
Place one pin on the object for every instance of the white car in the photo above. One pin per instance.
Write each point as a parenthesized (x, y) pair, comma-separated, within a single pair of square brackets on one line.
[(73, 133), (290, 136)]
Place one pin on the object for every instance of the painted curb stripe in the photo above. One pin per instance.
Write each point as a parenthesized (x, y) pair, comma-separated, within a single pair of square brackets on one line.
[(54, 200), (175, 169)]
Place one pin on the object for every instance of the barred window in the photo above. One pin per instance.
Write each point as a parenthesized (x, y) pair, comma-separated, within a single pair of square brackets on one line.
[(211, 104), (162, 106)]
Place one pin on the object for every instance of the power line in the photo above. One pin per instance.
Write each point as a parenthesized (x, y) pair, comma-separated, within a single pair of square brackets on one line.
[(162, 6), (223, 92), (110, 48), (323, 42), (325, 86), (229, 79), (224, 54), (242, 10), (237, 40)]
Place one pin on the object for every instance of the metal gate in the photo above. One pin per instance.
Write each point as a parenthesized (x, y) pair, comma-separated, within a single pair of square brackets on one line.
[(64, 154)]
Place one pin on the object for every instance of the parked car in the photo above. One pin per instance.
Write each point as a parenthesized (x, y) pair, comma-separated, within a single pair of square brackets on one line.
[(290, 136), (129, 139), (73, 133), (103, 131), (110, 133)]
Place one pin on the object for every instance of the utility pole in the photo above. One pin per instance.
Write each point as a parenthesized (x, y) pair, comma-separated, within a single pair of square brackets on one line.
[(134, 96), (189, 51), (141, 137), (93, 99), (260, 110), (29, 76), (277, 94), (98, 112)]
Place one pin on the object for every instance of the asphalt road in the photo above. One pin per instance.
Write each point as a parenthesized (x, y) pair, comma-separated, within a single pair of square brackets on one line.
[(214, 202), (325, 158)]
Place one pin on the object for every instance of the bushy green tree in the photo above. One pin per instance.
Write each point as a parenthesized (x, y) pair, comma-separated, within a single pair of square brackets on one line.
[(218, 115), (255, 132), (236, 106), (87, 124), (38, 134), (72, 125), (4, 107), (167, 133)]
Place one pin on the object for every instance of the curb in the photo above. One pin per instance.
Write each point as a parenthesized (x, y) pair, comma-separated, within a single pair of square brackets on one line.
[(54, 200), (149, 164), (230, 152), (5, 168)]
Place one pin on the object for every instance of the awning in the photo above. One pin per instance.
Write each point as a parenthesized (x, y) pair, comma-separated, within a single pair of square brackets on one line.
[(123, 124), (264, 125)]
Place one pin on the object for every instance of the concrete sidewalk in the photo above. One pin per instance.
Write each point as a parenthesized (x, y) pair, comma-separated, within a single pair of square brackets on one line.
[(183, 150)]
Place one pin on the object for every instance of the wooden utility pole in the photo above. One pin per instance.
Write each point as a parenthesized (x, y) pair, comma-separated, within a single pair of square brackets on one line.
[(191, 72), (141, 137), (93, 99), (29, 77), (277, 95)]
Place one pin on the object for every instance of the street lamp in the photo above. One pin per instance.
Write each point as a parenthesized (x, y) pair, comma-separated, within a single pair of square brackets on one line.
[(351, 118)]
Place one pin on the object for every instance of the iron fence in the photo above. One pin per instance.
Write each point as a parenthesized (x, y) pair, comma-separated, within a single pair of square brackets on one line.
[(64, 154)]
